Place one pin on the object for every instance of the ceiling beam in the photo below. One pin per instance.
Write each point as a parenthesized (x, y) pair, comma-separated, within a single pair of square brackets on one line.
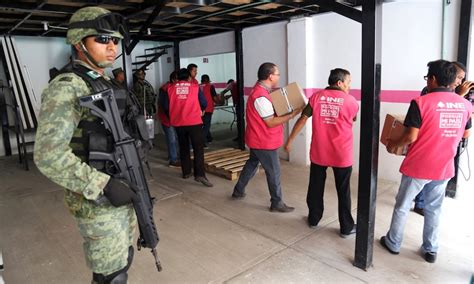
[(146, 25), (26, 17)]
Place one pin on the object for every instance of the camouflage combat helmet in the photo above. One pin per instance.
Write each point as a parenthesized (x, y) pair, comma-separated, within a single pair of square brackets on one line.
[(87, 15)]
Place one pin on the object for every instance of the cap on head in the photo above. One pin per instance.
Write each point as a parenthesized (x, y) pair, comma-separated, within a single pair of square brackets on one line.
[(75, 35)]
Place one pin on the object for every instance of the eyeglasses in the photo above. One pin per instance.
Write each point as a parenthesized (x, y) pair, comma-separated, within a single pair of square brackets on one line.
[(426, 78), (105, 39)]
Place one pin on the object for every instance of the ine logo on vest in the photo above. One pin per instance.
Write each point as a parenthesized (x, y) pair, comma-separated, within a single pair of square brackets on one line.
[(451, 106), (333, 100)]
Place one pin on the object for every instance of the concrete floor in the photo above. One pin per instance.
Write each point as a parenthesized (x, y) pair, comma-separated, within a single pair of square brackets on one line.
[(208, 238)]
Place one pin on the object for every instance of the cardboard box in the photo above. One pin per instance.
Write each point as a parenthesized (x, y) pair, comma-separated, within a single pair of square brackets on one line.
[(393, 128), (287, 99)]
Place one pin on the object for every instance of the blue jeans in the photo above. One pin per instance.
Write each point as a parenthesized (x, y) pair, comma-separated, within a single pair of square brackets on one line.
[(170, 135), (206, 127), (419, 200), (271, 164), (434, 196)]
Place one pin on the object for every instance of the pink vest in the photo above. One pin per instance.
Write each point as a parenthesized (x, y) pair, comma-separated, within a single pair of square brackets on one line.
[(184, 104), (331, 141), (257, 134), (206, 89), (443, 121)]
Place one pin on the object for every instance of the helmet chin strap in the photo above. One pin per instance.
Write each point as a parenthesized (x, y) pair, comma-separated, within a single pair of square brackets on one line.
[(103, 64)]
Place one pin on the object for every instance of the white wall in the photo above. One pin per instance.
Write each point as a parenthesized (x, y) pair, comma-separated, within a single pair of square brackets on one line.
[(208, 45), (219, 67), (266, 43)]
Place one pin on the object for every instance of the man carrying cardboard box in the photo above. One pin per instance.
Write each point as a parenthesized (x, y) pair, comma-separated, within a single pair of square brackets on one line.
[(435, 124), (333, 111), (264, 135)]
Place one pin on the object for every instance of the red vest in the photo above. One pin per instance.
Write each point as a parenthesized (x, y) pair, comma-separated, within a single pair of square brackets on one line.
[(257, 134), (443, 121), (161, 112), (206, 88), (333, 115), (184, 104)]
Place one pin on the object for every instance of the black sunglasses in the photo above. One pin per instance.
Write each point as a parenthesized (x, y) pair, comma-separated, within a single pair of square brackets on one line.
[(105, 39)]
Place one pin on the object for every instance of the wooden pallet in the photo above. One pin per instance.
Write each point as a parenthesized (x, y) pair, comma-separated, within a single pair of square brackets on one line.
[(227, 162)]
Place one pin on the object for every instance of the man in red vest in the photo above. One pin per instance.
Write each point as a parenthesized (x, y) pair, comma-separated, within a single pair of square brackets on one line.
[(211, 98), (185, 109), (435, 123), (164, 117), (264, 135), (333, 111), (193, 71)]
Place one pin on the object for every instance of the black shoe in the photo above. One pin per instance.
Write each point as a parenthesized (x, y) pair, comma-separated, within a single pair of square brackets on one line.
[(204, 181), (352, 232), (186, 176), (430, 257), (238, 196), (283, 208), (176, 164), (382, 242), (206, 146), (419, 211)]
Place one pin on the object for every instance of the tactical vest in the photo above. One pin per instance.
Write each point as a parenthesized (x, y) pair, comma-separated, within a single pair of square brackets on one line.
[(93, 135)]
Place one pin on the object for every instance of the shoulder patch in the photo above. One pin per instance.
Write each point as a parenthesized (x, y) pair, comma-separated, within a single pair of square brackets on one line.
[(93, 74), (65, 79)]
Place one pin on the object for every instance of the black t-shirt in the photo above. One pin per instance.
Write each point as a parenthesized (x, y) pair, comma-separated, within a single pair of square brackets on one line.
[(413, 118)]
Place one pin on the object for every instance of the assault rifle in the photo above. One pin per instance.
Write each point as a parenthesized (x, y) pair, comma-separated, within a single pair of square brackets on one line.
[(126, 161)]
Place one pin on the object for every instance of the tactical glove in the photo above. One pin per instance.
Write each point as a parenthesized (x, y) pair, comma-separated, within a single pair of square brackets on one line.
[(118, 192)]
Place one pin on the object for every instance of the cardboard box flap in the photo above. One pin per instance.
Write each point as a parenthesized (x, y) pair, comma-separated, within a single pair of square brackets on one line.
[(287, 99), (393, 128)]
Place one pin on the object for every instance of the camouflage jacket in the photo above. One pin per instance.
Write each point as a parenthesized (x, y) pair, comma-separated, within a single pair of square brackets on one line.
[(59, 117), (146, 96)]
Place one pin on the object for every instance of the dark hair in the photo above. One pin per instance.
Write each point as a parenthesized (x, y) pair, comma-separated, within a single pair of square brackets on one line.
[(205, 78), (444, 72), (337, 75), (230, 81), (191, 66), (183, 74), (459, 65), (173, 76), (265, 70)]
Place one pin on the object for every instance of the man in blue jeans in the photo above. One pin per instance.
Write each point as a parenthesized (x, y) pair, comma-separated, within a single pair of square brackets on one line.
[(170, 133), (264, 135), (462, 88), (435, 124)]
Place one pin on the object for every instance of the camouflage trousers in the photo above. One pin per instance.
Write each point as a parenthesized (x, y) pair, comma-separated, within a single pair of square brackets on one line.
[(108, 232)]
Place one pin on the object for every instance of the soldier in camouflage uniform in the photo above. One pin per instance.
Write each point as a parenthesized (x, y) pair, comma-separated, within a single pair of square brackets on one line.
[(100, 204), (145, 93)]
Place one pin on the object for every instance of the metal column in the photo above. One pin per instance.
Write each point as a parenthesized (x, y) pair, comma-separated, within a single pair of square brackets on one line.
[(464, 31), (176, 57), (239, 60), (369, 136), (127, 63)]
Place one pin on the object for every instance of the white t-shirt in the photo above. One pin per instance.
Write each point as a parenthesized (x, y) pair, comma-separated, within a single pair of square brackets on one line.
[(264, 107)]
